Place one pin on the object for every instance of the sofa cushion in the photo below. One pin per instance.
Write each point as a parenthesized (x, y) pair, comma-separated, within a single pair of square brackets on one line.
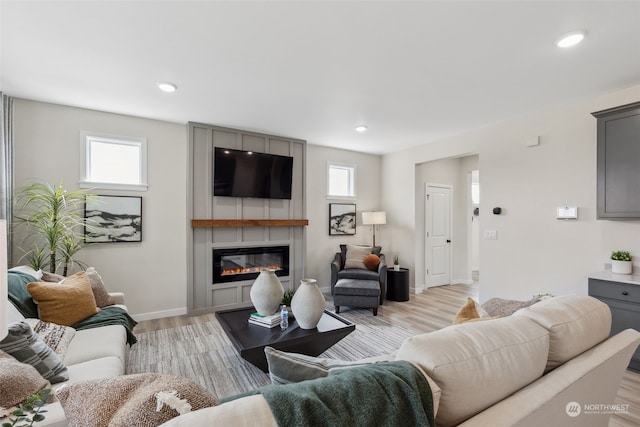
[(57, 337), (575, 324), (479, 363), (129, 400), (67, 303), (285, 368), (89, 344), (13, 315), (25, 345), (103, 367), (19, 381)]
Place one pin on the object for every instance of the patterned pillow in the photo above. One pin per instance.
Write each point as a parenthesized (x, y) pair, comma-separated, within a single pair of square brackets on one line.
[(65, 303), (57, 337), (27, 347), (18, 380), (285, 368), (129, 400)]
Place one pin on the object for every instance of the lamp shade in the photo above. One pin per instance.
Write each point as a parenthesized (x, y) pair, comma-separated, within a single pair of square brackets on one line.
[(374, 218), (3, 279)]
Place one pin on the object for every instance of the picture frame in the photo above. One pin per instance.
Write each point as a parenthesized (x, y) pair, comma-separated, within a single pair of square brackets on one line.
[(112, 219), (342, 219)]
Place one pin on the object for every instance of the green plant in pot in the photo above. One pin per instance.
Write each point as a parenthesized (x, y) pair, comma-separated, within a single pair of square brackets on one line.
[(52, 218), (396, 263), (621, 262), (286, 300)]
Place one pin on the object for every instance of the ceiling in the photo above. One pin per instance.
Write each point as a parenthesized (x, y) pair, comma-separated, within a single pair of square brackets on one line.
[(413, 72)]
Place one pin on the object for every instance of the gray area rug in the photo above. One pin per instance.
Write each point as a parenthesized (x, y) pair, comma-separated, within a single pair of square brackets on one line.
[(203, 353)]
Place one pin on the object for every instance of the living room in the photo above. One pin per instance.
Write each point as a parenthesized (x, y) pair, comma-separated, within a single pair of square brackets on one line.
[(534, 253)]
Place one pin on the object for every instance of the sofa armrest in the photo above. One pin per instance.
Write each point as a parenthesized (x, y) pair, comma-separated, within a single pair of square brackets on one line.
[(117, 298), (382, 272), (335, 267)]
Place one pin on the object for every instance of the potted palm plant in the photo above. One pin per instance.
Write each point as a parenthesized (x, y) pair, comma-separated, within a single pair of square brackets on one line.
[(621, 262), (53, 222)]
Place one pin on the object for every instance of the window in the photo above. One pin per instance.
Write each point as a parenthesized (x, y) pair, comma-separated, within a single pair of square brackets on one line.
[(341, 181), (113, 162)]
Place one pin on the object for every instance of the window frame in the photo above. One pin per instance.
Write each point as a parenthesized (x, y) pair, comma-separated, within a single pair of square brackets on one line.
[(353, 179), (86, 138)]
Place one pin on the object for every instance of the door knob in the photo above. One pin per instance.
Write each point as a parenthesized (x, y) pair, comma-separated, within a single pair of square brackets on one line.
[(625, 293), (448, 241)]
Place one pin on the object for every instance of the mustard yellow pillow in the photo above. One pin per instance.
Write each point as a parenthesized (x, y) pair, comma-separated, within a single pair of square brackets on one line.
[(67, 303), (471, 312)]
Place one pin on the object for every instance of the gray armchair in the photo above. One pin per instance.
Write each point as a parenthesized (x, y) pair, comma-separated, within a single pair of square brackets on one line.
[(339, 272)]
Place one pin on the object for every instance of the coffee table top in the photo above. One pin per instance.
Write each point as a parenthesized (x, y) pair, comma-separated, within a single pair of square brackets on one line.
[(250, 339)]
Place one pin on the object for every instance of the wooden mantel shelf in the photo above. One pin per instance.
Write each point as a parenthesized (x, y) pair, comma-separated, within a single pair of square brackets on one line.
[(209, 223)]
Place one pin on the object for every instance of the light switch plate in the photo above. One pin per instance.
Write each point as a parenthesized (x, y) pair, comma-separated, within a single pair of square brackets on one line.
[(567, 212), (490, 235)]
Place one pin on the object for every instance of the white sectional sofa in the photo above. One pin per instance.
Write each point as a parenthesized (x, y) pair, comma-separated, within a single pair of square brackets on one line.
[(92, 354), (546, 365)]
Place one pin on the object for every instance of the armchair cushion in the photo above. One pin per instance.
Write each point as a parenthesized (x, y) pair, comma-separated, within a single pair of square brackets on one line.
[(356, 255), (358, 274), (377, 250)]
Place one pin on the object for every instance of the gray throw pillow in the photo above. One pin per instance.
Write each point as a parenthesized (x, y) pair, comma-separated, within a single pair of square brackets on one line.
[(27, 347), (285, 368)]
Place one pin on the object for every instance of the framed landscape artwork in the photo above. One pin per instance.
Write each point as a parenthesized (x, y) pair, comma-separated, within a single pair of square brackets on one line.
[(342, 219), (110, 219)]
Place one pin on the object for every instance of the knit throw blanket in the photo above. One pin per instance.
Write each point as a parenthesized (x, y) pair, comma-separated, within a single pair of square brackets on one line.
[(381, 394)]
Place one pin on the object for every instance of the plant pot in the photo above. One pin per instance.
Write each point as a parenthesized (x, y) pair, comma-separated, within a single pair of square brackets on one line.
[(621, 267), (308, 304), (396, 267), (266, 293)]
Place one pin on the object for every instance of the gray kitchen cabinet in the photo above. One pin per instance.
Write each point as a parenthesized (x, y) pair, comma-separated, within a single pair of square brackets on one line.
[(618, 162)]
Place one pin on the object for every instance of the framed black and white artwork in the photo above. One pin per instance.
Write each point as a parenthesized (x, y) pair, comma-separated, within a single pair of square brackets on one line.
[(110, 219), (342, 219)]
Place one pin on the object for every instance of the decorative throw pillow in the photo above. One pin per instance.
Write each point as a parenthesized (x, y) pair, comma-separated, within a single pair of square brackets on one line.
[(103, 299), (285, 368), (356, 255), (57, 337), (471, 311), (372, 261), (505, 307), (130, 400), (52, 277), (18, 380), (67, 303), (27, 347)]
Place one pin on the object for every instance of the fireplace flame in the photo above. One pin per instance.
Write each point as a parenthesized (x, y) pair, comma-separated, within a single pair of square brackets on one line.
[(244, 270)]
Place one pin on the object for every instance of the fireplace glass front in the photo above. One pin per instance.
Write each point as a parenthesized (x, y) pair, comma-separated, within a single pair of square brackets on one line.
[(233, 264)]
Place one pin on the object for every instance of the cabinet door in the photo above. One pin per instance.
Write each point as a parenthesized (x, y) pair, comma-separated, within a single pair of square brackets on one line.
[(619, 162), (625, 316)]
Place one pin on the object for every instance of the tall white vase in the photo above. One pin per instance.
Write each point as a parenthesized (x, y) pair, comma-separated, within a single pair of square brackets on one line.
[(308, 304), (266, 293)]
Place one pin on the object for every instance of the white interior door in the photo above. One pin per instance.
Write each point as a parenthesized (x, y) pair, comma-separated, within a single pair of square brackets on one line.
[(438, 238)]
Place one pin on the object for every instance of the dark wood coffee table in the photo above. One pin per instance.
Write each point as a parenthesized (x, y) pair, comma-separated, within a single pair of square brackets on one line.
[(250, 340)]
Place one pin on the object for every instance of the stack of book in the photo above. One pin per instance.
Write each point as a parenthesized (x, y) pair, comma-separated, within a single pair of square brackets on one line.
[(265, 321)]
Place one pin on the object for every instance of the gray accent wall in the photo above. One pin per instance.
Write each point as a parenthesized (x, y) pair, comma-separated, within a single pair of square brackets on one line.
[(202, 295)]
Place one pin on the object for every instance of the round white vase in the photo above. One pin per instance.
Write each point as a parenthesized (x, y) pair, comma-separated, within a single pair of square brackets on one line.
[(266, 293), (308, 304), (621, 267)]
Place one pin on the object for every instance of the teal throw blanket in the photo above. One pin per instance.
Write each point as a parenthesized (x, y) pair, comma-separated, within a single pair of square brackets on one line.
[(381, 394)]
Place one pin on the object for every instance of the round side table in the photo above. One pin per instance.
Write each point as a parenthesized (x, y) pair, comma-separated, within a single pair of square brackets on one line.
[(398, 284)]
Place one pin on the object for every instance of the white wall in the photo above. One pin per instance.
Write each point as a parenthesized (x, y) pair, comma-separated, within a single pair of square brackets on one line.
[(535, 252), (320, 246), (152, 274)]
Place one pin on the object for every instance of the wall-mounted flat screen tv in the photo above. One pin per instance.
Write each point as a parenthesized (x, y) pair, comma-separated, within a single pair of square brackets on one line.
[(239, 173)]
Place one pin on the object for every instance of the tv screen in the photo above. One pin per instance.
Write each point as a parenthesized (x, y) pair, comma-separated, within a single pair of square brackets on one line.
[(239, 173)]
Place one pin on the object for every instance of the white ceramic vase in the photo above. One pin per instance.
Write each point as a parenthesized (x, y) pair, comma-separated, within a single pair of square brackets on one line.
[(266, 293), (308, 304), (621, 267)]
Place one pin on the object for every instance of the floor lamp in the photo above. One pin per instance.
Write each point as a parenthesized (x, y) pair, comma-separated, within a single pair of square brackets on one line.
[(374, 218)]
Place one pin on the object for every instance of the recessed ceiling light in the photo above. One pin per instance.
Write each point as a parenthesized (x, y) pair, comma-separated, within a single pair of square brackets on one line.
[(167, 87), (361, 128), (570, 39)]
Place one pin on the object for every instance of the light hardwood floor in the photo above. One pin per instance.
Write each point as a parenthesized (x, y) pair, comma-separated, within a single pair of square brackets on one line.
[(431, 310)]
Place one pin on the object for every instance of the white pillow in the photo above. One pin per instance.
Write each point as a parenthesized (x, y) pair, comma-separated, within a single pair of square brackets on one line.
[(27, 270)]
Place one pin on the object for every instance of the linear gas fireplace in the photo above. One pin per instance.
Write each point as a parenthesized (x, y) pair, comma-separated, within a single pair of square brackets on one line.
[(233, 264)]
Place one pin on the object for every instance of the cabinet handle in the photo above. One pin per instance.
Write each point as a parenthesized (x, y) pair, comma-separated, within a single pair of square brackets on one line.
[(625, 293)]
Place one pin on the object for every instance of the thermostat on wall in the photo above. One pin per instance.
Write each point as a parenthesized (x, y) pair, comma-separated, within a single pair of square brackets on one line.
[(567, 212)]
